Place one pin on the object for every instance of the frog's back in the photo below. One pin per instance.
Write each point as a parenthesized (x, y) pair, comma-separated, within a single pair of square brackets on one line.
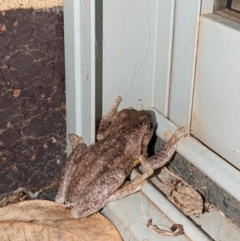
[(117, 150), (96, 161)]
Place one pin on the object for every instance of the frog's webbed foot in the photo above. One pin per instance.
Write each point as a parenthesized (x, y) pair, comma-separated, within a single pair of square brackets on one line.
[(131, 187), (177, 137), (107, 118), (163, 157)]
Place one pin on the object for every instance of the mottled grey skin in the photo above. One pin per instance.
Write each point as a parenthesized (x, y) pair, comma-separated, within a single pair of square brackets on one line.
[(92, 176)]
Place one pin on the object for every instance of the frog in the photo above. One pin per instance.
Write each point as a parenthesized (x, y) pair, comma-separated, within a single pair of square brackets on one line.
[(95, 175)]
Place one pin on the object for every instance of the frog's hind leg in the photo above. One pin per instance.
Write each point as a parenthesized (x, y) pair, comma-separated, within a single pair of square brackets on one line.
[(78, 147), (131, 187), (96, 194), (107, 118)]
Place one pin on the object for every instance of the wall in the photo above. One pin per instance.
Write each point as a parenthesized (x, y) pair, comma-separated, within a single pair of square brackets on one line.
[(128, 51)]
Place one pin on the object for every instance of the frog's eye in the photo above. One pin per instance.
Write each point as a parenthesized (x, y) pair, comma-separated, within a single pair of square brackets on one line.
[(150, 126)]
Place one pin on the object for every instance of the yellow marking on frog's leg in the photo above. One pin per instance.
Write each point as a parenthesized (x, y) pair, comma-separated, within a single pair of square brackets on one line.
[(136, 162), (138, 182)]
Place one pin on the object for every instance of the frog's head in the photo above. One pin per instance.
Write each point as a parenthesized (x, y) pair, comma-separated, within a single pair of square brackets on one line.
[(146, 125), (138, 124)]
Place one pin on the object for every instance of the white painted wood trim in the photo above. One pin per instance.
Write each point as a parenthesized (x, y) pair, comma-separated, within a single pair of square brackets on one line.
[(207, 6), (186, 24), (79, 32), (217, 169), (163, 55)]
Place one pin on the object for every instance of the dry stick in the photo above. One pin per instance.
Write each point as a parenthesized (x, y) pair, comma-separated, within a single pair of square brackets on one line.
[(176, 229)]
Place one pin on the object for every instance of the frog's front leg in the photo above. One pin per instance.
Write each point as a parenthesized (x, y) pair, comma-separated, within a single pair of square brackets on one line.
[(78, 147), (163, 157), (107, 118), (150, 164), (131, 187)]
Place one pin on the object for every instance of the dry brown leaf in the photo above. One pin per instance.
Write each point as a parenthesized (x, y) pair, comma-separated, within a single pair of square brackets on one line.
[(182, 195), (187, 200), (45, 220)]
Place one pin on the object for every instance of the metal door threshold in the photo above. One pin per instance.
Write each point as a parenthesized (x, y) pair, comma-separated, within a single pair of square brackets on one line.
[(131, 214), (217, 169)]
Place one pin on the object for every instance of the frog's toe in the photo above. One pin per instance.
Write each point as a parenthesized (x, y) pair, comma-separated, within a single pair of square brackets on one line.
[(75, 213), (118, 99), (75, 140), (181, 129), (82, 211), (60, 200), (149, 171), (116, 102)]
